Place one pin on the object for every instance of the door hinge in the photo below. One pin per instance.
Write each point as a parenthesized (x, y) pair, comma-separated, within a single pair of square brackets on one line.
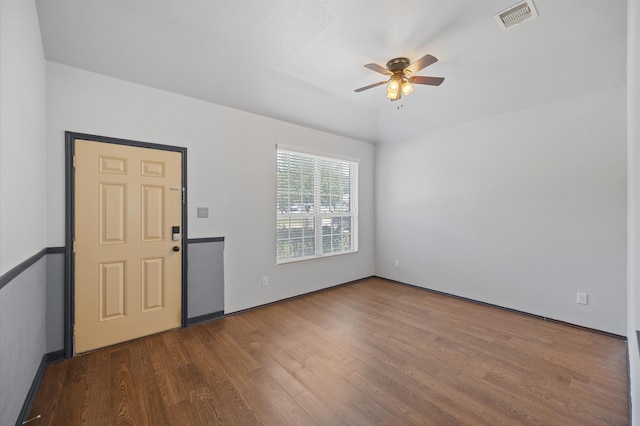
[(183, 195), (74, 245), (74, 161)]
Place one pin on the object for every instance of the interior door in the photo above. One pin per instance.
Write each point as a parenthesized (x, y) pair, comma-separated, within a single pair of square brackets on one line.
[(128, 262)]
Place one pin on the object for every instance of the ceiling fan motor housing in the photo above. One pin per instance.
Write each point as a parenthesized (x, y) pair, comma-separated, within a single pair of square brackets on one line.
[(398, 65)]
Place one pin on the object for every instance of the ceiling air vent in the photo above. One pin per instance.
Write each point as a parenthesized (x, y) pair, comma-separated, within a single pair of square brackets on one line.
[(516, 14)]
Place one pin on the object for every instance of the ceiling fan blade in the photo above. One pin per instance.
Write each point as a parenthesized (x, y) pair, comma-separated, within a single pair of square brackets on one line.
[(378, 68), (371, 86), (421, 63), (431, 81)]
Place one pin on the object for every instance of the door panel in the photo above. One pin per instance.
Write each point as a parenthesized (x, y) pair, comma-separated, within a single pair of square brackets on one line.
[(113, 211), (111, 296), (152, 213), (128, 278), (153, 291)]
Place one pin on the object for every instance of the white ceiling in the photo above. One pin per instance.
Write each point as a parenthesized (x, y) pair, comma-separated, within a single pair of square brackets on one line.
[(300, 60)]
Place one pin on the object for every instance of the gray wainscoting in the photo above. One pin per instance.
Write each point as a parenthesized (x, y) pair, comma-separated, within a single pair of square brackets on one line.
[(55, 299), (23, 340), (205, 278)]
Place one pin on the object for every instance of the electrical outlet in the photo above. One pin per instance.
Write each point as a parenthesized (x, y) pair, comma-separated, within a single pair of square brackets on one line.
[(396, 263), (265, 281), (203, 212), (582, 298)]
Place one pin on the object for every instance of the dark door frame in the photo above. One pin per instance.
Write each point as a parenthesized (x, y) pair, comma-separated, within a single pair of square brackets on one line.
[(69, 267)]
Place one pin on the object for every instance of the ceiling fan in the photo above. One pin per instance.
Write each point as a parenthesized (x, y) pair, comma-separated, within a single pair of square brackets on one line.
[(401, 80)]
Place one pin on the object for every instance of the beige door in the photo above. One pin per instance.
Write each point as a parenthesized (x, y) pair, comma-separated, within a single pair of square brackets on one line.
[(128, 270)]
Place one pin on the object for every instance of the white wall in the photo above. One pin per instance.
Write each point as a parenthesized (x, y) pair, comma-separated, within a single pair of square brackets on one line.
[(521, 210), (22, 202), (633, 134), (231, 170), (22, 121)]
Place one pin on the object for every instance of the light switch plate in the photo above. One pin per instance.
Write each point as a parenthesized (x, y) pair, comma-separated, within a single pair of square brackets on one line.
[(203, 212)]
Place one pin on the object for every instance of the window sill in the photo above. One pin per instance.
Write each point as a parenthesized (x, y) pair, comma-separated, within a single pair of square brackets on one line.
[(305, 259)]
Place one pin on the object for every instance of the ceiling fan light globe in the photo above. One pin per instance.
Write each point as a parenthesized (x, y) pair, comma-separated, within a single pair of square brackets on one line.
[(392, 93), (407, 88), (394, 87)]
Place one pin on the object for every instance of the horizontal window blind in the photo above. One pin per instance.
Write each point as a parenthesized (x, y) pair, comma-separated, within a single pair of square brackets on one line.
[(317, 206)]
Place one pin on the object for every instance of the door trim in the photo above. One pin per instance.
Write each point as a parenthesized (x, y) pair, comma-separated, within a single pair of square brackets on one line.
[(69, 267)]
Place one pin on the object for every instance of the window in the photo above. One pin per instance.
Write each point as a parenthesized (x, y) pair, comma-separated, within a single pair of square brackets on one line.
[(317, 206)]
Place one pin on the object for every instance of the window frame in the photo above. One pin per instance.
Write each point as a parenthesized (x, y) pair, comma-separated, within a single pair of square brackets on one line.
[(319, 212)]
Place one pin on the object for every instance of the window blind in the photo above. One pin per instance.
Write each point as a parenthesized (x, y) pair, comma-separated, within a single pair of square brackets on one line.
[(317, 206)]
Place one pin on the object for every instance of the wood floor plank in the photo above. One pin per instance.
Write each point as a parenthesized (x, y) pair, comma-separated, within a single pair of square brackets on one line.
[(51, 384), (151, 406), (161, 362), (340, 402), (73, 402), (98, 384), (371, 352), (175, 347), (140, 358), (213, 392), (123, 395), (321, 413)]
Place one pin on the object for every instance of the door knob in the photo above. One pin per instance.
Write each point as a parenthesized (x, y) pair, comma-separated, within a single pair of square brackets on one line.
[(176, 248)]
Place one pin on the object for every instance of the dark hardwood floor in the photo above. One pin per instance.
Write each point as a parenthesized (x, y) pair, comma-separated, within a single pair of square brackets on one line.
[(371, 352)]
